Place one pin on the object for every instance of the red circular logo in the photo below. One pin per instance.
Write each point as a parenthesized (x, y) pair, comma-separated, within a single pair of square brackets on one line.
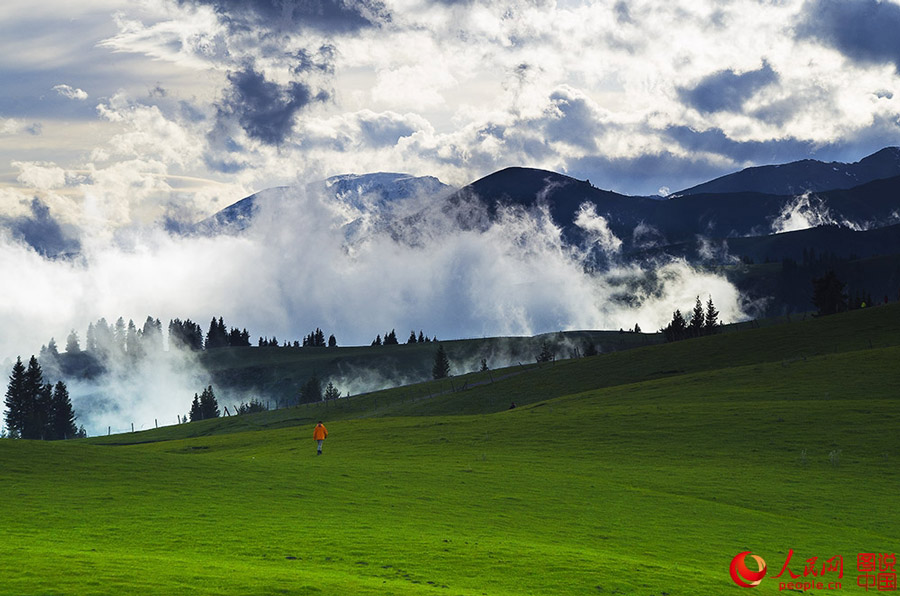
[(742, 575)]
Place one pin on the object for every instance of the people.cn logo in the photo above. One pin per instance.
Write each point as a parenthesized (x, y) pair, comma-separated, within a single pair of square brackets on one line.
[(742, 575)]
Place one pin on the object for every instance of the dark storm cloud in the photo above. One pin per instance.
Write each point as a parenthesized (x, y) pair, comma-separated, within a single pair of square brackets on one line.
[(324, 15), (726, 91), (863, 30), (714, 140), (264, 109)]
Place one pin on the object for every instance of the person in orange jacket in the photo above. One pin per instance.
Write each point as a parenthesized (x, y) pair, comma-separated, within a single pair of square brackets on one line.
[(320, 433)]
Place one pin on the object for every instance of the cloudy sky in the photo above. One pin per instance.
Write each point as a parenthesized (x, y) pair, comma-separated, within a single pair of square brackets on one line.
[(146, 109), (120, 115)]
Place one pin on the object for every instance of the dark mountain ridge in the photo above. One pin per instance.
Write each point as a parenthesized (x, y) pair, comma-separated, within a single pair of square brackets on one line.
[(681, 219), (804, 176)]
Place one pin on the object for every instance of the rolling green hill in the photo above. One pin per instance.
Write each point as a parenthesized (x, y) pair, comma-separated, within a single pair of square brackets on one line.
[(279, 373), (636, 472)]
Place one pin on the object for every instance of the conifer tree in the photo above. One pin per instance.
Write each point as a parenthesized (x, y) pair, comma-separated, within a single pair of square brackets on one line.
[(196, 413), (72, 345), (133, 345), (44, 409), (332, 341), (312, 390), (91, 341), (151, 336), (331, 392), (711, 320), (412, 338), (16, 406), (216, 336), (62, 416), (209, 407), (421, 339), (120, 336), (441, 368), (49, 358), (34, 401), (677, 329), (377, 340), (547, 354), (105, 338), (390, 339), (698, 320)]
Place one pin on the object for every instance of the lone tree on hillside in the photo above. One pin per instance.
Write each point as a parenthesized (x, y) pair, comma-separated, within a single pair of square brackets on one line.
[(331, 392), (441, 368)]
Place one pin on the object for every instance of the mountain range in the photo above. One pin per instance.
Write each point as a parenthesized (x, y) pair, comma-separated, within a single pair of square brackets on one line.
[(739, 210), (769, 214)]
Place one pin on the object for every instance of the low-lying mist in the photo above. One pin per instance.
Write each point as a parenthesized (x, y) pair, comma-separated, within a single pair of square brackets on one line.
[(297, 268)]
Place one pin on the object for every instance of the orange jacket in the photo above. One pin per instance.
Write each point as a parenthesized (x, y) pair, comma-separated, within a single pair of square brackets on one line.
[(320, 432)]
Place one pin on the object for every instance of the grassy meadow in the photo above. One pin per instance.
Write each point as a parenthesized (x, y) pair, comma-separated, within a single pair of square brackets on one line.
[(638, 472)]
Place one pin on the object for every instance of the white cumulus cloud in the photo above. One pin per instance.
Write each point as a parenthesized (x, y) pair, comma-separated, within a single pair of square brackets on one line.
[(71, 92)]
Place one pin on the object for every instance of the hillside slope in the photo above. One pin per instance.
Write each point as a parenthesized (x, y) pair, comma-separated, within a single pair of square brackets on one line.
[(642, 487)]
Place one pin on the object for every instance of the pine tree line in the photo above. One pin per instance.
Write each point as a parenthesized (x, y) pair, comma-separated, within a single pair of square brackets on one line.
[(105, 340), (390, 339), (38, 410), (702, 322), (316, 339)]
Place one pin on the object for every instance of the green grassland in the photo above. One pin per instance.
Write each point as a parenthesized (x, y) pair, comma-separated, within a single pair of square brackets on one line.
[(635, 472)]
